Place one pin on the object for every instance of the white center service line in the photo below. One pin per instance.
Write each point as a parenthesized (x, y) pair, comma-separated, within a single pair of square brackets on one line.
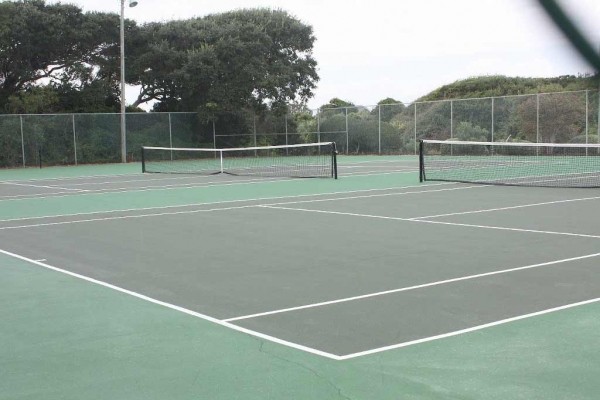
[(406, 289)]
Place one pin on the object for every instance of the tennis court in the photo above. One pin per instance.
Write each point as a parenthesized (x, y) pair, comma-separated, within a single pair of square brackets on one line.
[(369, 286)]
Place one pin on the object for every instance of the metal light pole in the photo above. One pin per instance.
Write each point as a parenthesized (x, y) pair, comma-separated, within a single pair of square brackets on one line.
[(132, 3)]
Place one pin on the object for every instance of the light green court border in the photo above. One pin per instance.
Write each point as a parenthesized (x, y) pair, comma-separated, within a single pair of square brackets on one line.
[(177, 196), (62, 338), (84, 170)]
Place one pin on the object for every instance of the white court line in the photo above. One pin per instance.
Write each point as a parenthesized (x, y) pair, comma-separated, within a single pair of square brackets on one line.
[(41, 186), (281, 341), (503, 228), (123, 217), (202, 177), (225, 202), (31, 196), (92, 192), (163, 178), (467, 330), (70, 178), (506, 208), (431, 222), (174, 307), (379, 195), (140, 189), (408, 288)]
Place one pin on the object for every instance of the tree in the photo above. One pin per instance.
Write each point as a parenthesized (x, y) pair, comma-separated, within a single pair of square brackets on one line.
[(561, 118), (247, 58), (337, 103), (56, 43), (388, 108)]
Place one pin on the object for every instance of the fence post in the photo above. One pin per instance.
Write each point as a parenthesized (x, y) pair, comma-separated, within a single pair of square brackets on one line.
[(492, 119), (74, 138), (379, 127), (286, 135), (214, 135), (587, 98), (318, 126), (170, 132), (347, 136), (22, 140), (254, 131), (451, 120), (415, 127), (537, 118), (598, 120)]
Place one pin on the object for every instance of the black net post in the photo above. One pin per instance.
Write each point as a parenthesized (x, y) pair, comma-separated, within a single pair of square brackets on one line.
[(143, 161), (334, 172), (421, 162)]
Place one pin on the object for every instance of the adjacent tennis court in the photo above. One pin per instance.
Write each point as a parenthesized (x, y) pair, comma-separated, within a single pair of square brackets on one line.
[(369, 286)]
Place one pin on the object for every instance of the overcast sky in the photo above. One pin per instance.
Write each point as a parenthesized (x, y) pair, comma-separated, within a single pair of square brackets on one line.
[(368, 50)]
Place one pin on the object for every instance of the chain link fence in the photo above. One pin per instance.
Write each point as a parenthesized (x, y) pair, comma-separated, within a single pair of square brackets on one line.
[(70, 139)]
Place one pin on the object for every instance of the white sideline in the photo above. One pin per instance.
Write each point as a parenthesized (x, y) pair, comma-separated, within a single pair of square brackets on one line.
[(286, 343), (174, 307)]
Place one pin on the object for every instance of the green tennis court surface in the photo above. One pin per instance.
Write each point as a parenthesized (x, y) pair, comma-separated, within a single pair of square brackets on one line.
[(117, 284)]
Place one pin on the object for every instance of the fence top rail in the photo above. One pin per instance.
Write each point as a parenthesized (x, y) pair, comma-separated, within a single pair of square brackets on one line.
[(89, 113), (459, 143), (322, 109)]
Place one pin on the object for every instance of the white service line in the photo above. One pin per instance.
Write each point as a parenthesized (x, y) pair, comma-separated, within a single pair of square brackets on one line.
[(467, 330), (506, 208), (408, 288), (174, 307), (423, 221)]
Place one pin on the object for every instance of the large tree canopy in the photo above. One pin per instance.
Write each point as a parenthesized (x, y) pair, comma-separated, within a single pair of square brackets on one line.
[(243, 58), (55, 45), (253, 58)]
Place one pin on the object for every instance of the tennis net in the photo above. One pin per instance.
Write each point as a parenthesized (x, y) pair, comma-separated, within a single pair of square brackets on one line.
[(298, 161), (511, 163)]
